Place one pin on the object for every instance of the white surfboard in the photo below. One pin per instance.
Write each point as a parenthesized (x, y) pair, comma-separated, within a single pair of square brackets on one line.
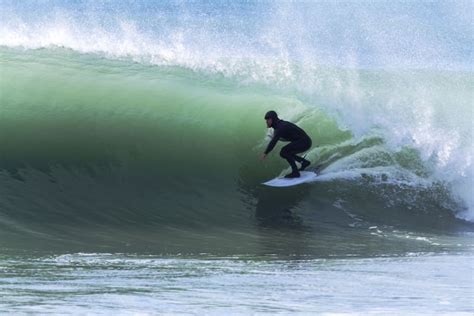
[(305, 176)]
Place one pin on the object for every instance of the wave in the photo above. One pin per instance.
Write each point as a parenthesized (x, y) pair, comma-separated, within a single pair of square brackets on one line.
[(120, 126), (132, 118)]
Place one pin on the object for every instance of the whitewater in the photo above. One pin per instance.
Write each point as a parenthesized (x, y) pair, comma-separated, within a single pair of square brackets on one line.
[(130, 133)]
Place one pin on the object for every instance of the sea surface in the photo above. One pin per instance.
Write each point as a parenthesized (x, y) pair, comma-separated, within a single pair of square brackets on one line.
[(130, 133)]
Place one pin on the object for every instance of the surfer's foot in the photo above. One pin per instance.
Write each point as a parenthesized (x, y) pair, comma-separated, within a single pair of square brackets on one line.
[(294, 174), (305, 164)]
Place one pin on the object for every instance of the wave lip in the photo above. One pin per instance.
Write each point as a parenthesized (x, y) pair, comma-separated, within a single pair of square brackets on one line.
[(401, 35)]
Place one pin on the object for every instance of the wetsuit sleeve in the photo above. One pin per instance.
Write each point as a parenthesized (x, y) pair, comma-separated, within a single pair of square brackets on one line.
[(272, 143)]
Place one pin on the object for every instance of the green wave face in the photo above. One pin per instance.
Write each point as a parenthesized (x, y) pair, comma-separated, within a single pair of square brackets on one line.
[(98, 151)]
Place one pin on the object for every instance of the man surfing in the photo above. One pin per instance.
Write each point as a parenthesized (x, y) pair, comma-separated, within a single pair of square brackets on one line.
[(299, 142)]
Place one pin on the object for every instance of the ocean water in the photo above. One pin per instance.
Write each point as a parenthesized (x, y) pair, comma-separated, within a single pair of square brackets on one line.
[(130, 133)]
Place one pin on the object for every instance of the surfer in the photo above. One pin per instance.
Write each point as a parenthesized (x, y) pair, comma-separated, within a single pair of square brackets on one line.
[(299, 142)]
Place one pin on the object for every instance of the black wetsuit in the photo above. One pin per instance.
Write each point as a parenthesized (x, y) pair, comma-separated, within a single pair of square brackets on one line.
[(299, 141)]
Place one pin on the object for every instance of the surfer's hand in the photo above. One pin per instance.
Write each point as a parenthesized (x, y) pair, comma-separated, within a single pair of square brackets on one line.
[(263, 156)]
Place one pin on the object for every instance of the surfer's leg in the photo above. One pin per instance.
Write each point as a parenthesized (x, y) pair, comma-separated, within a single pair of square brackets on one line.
[(290, 158), (287, 152), (299, 159), (299, 147)]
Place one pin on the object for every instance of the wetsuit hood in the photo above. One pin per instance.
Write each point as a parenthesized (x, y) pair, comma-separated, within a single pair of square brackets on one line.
[(274, 116)]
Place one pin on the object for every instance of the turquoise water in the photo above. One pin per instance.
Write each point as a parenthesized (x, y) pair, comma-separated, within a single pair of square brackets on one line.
[(129, 173)]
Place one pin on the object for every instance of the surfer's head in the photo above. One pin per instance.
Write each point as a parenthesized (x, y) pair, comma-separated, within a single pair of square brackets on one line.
[(271, 117)]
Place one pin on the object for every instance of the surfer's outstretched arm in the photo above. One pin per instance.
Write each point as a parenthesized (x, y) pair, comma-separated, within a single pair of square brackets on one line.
[(272, 143)]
